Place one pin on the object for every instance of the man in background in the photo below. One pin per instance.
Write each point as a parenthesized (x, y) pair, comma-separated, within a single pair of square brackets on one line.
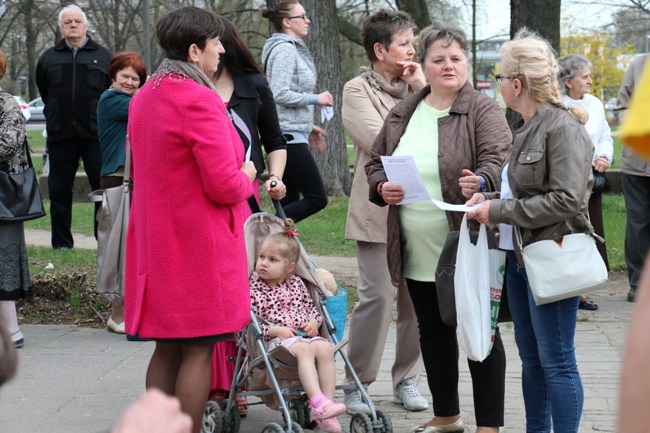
[(635, 178), (70, 77)]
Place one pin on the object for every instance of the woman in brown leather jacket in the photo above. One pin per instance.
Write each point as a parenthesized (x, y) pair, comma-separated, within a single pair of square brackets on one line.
[(458, 138), (545, 186)]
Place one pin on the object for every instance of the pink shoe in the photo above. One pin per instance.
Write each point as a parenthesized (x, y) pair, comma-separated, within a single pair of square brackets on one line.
[(328, 409), (330, 425)]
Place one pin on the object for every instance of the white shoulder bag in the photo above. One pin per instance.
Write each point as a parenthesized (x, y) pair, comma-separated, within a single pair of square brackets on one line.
[(562, 268)]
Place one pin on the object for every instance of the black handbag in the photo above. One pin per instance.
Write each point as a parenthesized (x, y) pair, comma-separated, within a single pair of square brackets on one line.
[(20, 195), (601, 183)]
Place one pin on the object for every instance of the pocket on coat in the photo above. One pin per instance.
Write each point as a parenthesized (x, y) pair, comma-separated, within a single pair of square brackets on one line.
[(96, 76), (533, 167)]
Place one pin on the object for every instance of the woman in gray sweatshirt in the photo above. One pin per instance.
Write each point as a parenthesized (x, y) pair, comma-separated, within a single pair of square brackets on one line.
[(291, 73)]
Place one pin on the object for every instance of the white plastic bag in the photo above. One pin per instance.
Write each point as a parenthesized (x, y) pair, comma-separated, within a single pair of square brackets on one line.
[(478, 282)]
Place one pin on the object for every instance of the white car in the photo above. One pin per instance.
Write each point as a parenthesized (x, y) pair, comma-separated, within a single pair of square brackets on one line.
[(23, 108), (36, 108)]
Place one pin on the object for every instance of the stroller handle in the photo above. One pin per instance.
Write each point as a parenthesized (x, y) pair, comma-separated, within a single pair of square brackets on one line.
[(279, 212)]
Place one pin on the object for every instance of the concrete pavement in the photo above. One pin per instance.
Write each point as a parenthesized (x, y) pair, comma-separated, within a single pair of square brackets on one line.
[(78, 380)]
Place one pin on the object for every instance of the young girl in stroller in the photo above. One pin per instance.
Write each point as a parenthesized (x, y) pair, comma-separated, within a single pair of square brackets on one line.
[(288, 317)]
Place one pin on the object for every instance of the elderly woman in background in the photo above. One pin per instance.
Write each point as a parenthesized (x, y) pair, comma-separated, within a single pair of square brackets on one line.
[(545, 186), (453, 166), (186, 270), (15, 282), (392, 75), (244, 90), (575, 84), (127, 73)]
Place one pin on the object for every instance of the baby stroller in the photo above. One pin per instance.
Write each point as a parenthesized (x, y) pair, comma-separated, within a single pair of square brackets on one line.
[(272, 376)]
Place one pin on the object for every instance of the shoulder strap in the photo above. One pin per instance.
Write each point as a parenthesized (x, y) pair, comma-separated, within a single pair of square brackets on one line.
[(271, 50)]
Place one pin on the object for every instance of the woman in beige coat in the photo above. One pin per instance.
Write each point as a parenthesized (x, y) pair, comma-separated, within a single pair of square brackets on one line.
[(388, 40)]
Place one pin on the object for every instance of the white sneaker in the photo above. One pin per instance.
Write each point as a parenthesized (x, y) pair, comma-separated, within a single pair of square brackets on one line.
[(407, 394), (18, 339), (355, 403)]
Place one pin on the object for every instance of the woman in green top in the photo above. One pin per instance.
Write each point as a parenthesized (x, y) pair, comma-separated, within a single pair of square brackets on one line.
[(458, 138), (127, 73)]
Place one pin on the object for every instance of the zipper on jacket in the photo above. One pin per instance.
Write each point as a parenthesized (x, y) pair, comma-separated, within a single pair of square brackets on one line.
[(74, 87)]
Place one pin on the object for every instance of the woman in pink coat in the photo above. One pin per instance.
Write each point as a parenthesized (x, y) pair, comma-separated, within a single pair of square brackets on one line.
[(186, 273)]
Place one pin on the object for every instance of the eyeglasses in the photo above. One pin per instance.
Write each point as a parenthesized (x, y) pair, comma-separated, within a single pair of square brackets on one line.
[(499, 78), (303, 17)]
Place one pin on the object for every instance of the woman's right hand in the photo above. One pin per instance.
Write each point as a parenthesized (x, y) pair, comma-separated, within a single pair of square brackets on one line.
[(249, 168), (390, 193), (325, 98)]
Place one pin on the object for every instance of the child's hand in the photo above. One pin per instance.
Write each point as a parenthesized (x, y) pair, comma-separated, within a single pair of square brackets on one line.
[(310, 328), (281, 332)]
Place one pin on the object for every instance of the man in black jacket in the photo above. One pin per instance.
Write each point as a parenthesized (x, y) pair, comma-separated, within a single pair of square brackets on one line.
[(71, 76)]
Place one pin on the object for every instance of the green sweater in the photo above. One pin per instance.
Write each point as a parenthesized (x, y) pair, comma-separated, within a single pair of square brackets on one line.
[(112, 114)]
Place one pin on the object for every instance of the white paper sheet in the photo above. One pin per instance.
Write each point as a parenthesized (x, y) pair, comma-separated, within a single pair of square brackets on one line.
[(401, 170), (454, 207), (326, 114)]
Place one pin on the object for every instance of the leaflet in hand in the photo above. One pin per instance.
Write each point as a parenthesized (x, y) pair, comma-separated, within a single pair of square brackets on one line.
[(401, 170)]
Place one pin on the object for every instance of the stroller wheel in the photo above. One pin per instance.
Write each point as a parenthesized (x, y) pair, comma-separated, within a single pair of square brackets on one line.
[(295, 428), (272, 427), (231, 420), (212, 418), (385, 420), (297, 411), (309, 424), (360, 423)]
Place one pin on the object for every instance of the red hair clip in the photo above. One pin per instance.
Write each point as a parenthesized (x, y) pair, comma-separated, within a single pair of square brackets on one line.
[(293, 232)]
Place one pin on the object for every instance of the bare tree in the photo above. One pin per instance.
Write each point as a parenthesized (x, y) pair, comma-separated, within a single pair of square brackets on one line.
[(544, 20), (324, 45)]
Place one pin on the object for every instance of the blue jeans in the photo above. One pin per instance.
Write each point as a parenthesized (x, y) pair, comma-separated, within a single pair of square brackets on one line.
[(544, 334)]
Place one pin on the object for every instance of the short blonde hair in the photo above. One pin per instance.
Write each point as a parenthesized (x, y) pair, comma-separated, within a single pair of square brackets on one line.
[(531, 58), (3, 64)]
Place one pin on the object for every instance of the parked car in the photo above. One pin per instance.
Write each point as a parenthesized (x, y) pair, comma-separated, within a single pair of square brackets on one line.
[(23, 107), (36, 108)]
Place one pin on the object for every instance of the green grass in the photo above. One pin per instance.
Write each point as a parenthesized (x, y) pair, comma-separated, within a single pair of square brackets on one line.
[(323, 234), (614, 220), (83, 217)]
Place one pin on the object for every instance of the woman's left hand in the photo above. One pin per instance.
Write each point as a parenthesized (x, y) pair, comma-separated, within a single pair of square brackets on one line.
[(481, 213), (469, 183), (317, 138), (278, 191), (601, 165)]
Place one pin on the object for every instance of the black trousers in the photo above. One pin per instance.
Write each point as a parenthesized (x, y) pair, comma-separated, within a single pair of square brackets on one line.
[(636, 191), (64, 160), (596, 219), (301, 176), (440, 355)]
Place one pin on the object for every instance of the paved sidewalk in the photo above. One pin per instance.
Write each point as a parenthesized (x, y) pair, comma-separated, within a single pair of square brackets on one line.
[(78, 380)]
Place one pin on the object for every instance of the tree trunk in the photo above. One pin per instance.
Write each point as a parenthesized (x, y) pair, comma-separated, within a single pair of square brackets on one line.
[(544, 20), (30, 46), (418, 9), (323, 43)]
